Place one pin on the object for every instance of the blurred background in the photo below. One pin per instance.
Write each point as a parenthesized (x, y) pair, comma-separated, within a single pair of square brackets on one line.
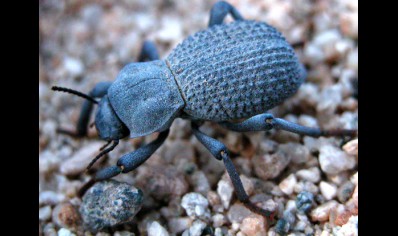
[(85, 42)]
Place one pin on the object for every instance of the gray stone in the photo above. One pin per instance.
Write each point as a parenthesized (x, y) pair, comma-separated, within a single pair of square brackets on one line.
[(333, 160), (110, 203), (345, 191), (80, 160), (237, 213), (298, 153), (269, 166), (312, 174), (177, 225), (304, 201), (196, 229)]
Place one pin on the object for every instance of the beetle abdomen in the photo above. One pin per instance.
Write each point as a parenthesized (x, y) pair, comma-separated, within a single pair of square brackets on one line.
[(235, 70)]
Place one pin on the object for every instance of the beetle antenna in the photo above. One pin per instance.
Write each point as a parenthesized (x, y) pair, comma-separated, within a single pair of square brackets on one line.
[(77, 93), (115, 143)]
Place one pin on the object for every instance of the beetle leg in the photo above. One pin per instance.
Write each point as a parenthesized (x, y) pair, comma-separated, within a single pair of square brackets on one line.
[(267, 121), (220, 10), (148, 52), (98, 91), (220, 152), (127, 162)]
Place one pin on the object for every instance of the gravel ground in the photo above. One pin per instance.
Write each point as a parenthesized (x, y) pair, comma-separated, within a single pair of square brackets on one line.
[(313, 183)]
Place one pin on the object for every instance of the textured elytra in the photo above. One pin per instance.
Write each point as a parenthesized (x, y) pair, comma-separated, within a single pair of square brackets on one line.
[(236, 70)]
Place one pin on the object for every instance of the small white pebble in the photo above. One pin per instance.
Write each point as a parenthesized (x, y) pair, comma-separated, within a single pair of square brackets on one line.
[(155, 229), (195, 205), (312, 174), (225, 191), (328, 190), (45, 213), (287, 185), (65, 232), (74, 66)]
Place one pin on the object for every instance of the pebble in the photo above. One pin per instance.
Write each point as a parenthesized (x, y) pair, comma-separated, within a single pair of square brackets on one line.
[(329, 99), (298, 153), (196, 205), (328, 190), (282, 226), (163, 182), (73, 66), (79, 161), (269, 166), (247, 184), (45, 213), (291, 206), (287, 185), (253, 225), (123, 233), (110, 203), (348, 229), (322, 212), (345, 191), (66, 215), (47, 162), (333, 161), (200, 182), (178, 225), (65, 232), (225, 191), (218, 220), (50, 198), (304, 201), (196, 229), (237, 213), (155, 229), (306, 186), (351, 148), (312, 174), (171, 30)]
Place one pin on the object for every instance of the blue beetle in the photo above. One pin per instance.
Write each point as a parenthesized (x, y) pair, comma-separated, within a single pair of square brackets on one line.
[(227, 72)]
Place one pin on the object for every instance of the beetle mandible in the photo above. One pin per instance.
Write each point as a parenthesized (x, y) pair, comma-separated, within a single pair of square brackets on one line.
[(226, 72)]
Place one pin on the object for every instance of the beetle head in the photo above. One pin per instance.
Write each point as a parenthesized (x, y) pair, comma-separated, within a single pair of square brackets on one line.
[(107, 123)]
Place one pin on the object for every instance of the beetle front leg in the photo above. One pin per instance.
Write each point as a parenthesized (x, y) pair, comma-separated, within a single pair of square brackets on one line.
[(98, 91), (220, 10), (220, 152), (148, 52), (267, 121), (127, 162)]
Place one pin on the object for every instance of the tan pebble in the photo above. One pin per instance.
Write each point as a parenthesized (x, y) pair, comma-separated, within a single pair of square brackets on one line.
[(254, 225), (322, 212), (351, 147)]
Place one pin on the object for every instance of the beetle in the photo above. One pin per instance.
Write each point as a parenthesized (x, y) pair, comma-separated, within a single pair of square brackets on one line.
[(225, 73)]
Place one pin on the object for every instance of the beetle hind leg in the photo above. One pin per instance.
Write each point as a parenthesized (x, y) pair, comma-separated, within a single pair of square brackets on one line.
[(220, 152), (267, 121), (220, 10)]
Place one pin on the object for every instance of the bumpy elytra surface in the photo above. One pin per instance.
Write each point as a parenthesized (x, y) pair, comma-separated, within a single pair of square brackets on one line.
[(110, 203), (235, 70)]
